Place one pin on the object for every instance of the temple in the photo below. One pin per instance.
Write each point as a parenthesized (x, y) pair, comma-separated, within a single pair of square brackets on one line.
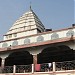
[(28, 48)]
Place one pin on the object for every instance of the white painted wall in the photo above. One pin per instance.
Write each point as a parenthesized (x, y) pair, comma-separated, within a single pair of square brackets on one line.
[(33, 39)]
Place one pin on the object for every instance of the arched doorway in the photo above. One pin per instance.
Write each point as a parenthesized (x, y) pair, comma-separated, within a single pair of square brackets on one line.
[(19, 58), (55, 54)]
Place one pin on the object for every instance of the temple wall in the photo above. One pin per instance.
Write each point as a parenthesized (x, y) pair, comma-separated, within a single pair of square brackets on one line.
[(46, 37)]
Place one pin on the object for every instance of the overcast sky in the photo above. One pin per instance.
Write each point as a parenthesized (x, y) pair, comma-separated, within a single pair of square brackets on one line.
[(55, 14)]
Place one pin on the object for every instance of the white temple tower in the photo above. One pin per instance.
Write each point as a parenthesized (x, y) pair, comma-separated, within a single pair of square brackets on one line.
[(28, 24)]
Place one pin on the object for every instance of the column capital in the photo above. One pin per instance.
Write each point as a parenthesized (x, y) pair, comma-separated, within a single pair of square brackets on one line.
[(4, 57)]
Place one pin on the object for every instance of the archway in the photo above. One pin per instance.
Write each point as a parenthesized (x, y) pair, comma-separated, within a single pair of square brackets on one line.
[(19, 58), (55, 54)]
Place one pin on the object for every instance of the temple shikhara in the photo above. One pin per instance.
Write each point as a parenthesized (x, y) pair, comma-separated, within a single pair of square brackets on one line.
[(28, 48)]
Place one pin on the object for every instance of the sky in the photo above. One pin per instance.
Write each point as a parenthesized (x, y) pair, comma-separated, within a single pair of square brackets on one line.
[(55, 14)]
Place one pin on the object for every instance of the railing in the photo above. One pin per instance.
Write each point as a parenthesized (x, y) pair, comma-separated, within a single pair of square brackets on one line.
[(16, 69), (7, 69), (66, 65), (45, 67), (23, 68)]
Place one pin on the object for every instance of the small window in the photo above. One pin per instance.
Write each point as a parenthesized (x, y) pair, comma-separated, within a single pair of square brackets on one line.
[(40, 38), (54, 36), (70, 33), (15, 43), (4, 45), (26, 41), (10, 36), (15, 35), (6, 36)]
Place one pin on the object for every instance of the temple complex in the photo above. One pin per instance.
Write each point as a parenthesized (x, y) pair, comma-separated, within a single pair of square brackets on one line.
[(28, 48)]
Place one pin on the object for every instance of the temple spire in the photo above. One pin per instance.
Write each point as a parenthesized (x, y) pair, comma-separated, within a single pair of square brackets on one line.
[(27, 23)]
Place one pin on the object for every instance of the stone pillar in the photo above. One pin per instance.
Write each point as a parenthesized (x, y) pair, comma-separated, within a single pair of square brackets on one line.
[(53, 66), (3, 62), (32, 68), (14, 69), (34, 59)]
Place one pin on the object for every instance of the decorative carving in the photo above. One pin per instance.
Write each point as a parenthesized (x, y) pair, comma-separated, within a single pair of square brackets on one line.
[(26, 41), (40, 38), (54, 36), (70, 33), (4, 45), (15, 43)]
